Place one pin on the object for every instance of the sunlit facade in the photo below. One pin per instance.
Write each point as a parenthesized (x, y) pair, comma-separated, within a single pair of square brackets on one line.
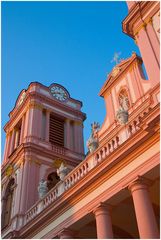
[(51, 189)]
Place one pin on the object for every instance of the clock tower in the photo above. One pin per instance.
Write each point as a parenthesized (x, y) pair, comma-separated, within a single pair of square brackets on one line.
[(45, 129)]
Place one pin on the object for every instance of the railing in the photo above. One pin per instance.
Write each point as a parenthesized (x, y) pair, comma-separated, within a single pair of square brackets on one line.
[(57, 149), (91, 161)]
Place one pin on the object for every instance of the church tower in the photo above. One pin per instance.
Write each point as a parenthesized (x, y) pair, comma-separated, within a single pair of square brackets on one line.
[(45, 129)]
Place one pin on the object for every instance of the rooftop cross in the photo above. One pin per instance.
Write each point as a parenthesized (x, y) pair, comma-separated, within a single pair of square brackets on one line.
[(116, 57)]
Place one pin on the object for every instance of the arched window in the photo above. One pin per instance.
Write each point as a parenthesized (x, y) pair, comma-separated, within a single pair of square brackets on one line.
[(52, 180), (7, 205), (124, 99)]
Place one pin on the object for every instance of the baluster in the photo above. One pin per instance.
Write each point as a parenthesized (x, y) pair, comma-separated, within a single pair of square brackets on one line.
[(84, 170), (103, 152), (114, 144), (111, 147), (78, 175), (80, 172), (107, 151)]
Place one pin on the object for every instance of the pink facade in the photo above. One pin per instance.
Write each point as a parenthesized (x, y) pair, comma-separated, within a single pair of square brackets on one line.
[(50, 189)]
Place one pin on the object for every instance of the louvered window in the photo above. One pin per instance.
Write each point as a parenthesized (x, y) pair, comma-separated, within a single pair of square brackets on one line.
[(56, 131)]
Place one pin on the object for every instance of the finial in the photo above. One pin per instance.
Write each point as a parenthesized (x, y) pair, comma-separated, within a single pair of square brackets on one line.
[(133, 53)]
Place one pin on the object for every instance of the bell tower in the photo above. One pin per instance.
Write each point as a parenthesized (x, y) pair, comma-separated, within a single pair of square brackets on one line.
[(45, 129)]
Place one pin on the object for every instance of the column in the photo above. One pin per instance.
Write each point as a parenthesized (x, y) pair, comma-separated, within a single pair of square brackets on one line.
[(67, 134), (17, 135), (18, 190), (66, 234), (103, 221), (78, 136), (32, 183), (12, 141), (38, 121), (24, 183), (154, 39), (22, 129), (5, 154), (149, 57), (143, 209), (33, 122), (81, 138), (26, 124), (47, 125)]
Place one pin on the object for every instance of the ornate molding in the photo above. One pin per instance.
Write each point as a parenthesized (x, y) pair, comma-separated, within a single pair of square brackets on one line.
[(34, 105), (78, 123), (33, 160)]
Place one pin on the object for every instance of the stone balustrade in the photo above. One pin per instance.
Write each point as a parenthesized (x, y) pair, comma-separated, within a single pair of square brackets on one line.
[(91, 161), (77, 174), (31, 213)]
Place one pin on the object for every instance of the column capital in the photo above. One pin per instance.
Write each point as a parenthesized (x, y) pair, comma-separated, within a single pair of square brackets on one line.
[(78, 123), (150, 20), (140, 183), (67, 120), (8, 134), (35, 106), (102, 208), (66, 234), (48, 111)]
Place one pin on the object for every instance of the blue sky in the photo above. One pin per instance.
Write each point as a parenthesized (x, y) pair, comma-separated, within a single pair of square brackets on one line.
[(70, 43)]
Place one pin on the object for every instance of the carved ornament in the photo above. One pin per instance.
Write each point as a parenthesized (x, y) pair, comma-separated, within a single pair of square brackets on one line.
[(57, 162), (9, 170), (115, 71)]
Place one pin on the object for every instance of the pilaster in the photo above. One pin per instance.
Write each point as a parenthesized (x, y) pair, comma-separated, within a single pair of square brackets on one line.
[(22, 129), (67, 134), (149, 56), (12, 141)]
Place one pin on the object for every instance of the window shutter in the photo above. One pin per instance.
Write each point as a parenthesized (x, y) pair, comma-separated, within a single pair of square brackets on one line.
[(56, 131)]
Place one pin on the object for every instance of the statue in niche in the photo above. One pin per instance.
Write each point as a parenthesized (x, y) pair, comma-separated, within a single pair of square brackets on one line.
[(42, 188), (124, 102), (122, 113), (92, 142), (62, 171)]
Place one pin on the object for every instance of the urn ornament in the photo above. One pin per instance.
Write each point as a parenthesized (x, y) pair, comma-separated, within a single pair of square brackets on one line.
[(92, 142), (42, 188)]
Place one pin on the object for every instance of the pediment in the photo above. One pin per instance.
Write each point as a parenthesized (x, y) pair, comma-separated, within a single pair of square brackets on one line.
[(118, 71)]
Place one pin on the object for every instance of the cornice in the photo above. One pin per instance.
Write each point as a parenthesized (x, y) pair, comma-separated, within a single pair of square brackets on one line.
[(32, 101), (137, 16), (82, 188)]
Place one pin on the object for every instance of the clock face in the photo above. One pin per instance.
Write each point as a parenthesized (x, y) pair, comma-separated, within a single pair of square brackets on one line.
[(59, 93)]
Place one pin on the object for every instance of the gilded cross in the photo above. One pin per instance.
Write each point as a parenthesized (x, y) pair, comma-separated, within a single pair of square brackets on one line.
[(116, 57)]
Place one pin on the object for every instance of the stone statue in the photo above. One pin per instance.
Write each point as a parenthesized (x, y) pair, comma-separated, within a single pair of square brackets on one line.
[(122, 114), (92, 142), (62, 171), (124, 103), (42, 188)]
